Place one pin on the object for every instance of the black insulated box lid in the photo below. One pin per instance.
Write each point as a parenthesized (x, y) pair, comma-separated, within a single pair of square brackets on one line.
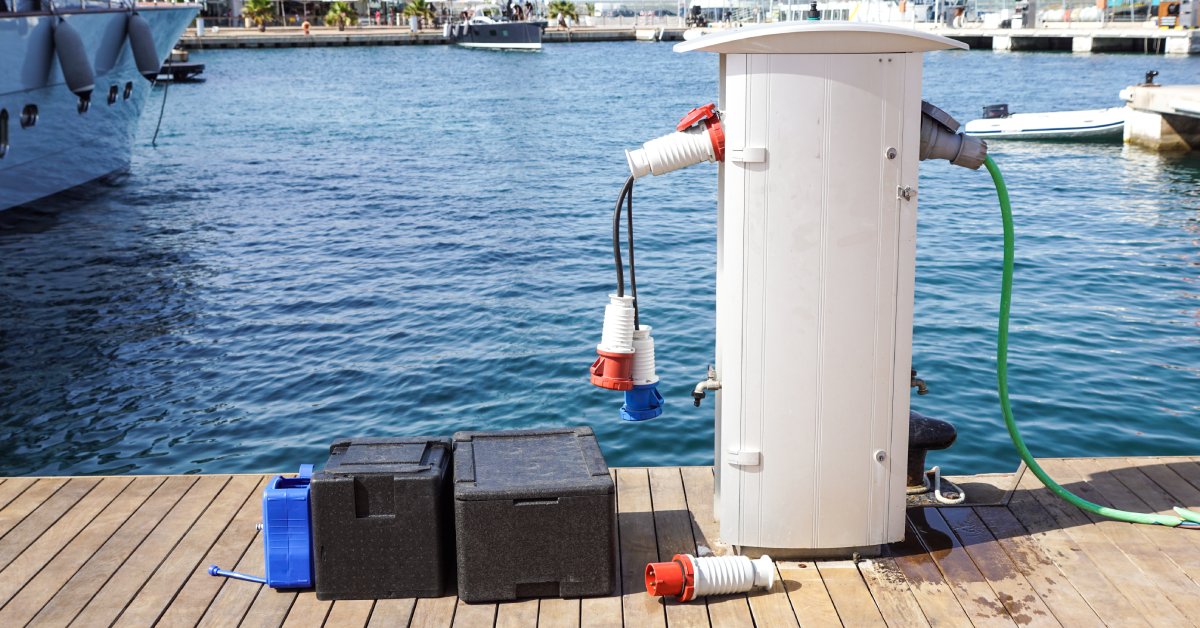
[(381, 519), (533, 515), (529, 463), (386, 455)]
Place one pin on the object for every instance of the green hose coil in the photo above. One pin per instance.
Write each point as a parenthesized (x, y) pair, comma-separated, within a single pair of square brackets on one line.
[(1186, 517)]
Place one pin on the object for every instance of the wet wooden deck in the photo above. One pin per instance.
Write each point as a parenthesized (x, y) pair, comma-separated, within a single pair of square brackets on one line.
[(132, 551)]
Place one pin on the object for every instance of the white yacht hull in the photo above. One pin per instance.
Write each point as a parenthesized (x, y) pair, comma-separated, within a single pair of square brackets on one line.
[(501, 46), (66, 148)]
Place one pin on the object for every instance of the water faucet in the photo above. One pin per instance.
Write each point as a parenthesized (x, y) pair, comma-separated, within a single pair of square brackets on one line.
[(919, 384), (709, 384)]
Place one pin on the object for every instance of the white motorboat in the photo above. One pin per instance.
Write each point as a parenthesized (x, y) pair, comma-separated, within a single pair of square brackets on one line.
[(1090, 124)]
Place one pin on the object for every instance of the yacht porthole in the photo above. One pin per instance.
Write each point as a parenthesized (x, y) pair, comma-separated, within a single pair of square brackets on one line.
[(3, 133), (128, 89), (29, 116), (112, 94)]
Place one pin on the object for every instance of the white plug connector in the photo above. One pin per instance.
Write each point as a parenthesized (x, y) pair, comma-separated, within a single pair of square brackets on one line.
[(671, 152), (698, 137)]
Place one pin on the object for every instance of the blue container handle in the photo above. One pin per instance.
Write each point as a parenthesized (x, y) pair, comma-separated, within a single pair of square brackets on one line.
[(214, 570), (305, 471)]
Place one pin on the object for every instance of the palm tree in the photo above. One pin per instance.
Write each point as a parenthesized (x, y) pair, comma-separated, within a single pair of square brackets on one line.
[(340, 14), (420, 9), (563, 10), (259, 11)]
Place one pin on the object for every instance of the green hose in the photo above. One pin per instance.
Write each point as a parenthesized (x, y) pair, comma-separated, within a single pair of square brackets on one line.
[(1002, 384)]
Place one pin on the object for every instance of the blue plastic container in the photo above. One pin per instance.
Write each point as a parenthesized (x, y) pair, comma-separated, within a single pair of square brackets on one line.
[(287, 531), (287, 534)]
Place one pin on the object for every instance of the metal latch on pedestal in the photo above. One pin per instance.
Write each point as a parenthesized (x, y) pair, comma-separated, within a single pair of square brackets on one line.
[(748, 155), (743, 458)]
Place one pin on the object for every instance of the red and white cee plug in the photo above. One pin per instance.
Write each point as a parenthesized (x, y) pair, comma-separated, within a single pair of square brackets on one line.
[(687, 577), (698, 137)]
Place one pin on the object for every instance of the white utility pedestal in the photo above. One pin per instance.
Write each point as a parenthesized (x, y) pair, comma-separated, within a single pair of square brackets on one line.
[(816, 227)]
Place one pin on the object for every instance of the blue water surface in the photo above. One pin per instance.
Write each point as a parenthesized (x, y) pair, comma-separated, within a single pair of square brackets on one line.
[(373, 241)]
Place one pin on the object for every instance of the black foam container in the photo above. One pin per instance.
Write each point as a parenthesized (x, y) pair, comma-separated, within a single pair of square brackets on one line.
[(533, 513), (381, 519)]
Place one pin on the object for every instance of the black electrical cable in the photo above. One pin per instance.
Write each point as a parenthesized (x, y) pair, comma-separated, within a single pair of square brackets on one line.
[(632, 273), (625, 198), (616, 236)]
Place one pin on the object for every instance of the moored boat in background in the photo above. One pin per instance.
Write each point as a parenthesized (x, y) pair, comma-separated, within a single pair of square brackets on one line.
[(488, 27), (1090, 124), (178, 69)]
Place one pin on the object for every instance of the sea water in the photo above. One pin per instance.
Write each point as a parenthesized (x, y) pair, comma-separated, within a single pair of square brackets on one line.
[(339, 242)]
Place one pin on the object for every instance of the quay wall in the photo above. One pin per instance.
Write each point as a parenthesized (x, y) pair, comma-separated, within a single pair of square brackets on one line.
[(374, 36), (1079, 40)]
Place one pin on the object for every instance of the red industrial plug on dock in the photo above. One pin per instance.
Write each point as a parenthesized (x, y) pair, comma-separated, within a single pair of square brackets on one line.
[(676, 578), (687, 577)]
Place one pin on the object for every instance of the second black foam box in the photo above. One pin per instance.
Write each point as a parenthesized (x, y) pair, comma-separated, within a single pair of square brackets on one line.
[(533, 513), (381, 519)]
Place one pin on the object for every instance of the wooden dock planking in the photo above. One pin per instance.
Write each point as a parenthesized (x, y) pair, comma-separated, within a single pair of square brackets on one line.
[(349, 613), (893, 597), (1154, 552), (29, 500), (772, 607), (306, 611), (158, 591), (192, 600), (1077, 567), (235, 597), (994, 565), (1161, 579), (474, 615), (635, 523), (524, 613), (132, 551), (1129, 489), (564, 614), (928, 587), (1149, 603), (45, 515), (434, 612), (849, 593), (92, 575), (19, 608), (978, 595), (806, 591), (269, 608), (123, 585), (39, 553), (1050, 583), (10, 490), (389, 613)]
